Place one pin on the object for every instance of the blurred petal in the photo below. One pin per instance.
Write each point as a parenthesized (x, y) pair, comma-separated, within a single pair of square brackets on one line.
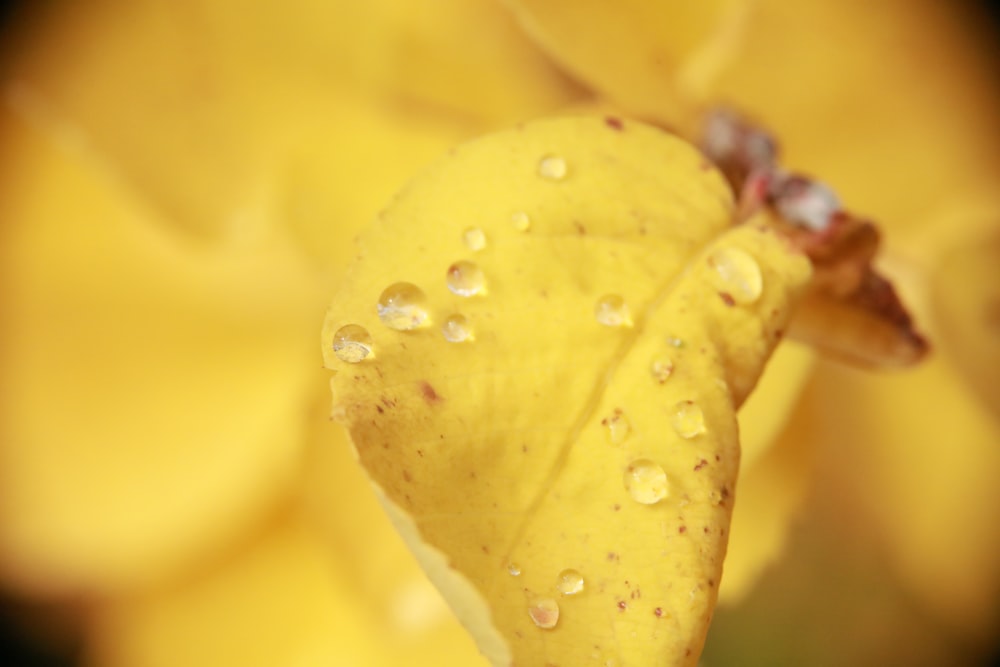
[(153, 395)]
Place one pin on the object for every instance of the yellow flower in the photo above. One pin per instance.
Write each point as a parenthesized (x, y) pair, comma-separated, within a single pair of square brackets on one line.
[(182, 184)]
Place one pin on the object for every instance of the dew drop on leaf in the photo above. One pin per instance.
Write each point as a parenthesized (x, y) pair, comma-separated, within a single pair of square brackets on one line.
[(646, 482), (474, 239), (661, 369), (570, 582), (544, 613), (737, 274), (402, 307), (617, 426), (521, 221), (552, 167), (456, 329), (466, 279), (612, 311), (352, 343), (688, 420)]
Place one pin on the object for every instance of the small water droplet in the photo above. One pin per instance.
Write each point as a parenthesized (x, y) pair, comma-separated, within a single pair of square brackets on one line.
[(570, 582), (688, 420), (466, 279), (456, 329), (661, 369), (401, 307), (737, 273), (674, 341), (612, 311), (521, 221), (513, 569), (352, 343), (474, 239), (552, 167), (617, 426), (544, 613), (646, 482)]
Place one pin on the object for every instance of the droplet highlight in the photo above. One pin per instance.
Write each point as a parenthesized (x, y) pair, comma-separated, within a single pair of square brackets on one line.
[(612, 311), (737, 274), (521, 221), (457, 329), (552, 167), (474, 239), (544, 613), (570, 582), (661, 370), (617, 427), (402, 306), (688, 420), (646, 482), (465, 278), (352, 343)]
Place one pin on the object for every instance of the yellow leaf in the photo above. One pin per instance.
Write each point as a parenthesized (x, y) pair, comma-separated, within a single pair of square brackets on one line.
[(562, 458)]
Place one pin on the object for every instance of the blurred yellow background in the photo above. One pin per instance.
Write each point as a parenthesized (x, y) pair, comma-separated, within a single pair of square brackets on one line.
[(181, 183)]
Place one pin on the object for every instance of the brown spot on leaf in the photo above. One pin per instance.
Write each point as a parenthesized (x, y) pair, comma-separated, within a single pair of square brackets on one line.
[(727, 299), (428, 393), (701, 464), (614, 123), (658, 612)]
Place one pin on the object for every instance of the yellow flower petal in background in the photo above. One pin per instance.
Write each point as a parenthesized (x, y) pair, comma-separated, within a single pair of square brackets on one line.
[(322, 585), (154, 391), (502, 438)]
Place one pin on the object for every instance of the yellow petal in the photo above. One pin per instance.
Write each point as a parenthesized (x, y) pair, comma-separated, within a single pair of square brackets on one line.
[(152, 408), (921, 451), (324, 585), (655, 58), (542, 453), (966, 292), (773, 483)]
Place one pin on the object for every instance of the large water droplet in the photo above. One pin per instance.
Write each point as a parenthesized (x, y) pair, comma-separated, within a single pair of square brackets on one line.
[(612, 311), (737, 274), (646, 482), (352, 343), (570, 582), (552, 167), (688, 420), (456, 329), (544, 613), (521, 221), (474, 239), (617, 426), (402, 307), (661, 370), (466, 279)]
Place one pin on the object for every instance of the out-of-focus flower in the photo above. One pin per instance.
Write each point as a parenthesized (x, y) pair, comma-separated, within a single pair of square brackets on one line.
[(181, 183)]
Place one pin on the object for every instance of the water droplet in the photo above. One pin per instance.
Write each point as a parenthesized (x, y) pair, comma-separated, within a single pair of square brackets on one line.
[(570, 582), (552, 167), (688, 419), (617, 426), (612, 311), (401, 307), (646, 482), (521, 221), (466, 279), (544, 613), (474, 239), (513, 569), (805, 202), (352, 343), (737, 274), (674, 341), (456, 329), (661, 369)]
